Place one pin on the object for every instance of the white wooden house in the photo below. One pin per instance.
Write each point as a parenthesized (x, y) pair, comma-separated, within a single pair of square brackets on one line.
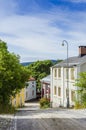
[(30, 91)]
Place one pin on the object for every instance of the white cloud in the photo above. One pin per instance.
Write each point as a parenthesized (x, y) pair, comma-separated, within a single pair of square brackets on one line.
[(7, 7), (32, 33), (40, 35)]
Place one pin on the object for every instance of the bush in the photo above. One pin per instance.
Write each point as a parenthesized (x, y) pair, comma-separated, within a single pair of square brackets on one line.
[(44, 103), (83, 98), (82, 103), (8, 109), (79, 105)]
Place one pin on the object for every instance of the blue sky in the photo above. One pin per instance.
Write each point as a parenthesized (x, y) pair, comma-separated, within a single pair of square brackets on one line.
[(35, 29)]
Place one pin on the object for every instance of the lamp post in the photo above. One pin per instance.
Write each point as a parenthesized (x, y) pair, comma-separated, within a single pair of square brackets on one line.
[(63, 42)]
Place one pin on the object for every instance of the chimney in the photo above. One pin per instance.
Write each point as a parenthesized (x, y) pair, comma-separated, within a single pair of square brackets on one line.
[(82, 51)]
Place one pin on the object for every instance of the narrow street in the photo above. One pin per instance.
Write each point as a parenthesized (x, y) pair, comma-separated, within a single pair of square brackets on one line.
[(32, 118)]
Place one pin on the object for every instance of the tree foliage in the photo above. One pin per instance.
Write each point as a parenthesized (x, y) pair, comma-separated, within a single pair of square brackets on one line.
[(40, 69), (12, 74), (81, 83)]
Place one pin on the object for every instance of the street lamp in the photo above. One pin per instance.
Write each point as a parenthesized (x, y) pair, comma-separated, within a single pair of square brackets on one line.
[(68, 105)]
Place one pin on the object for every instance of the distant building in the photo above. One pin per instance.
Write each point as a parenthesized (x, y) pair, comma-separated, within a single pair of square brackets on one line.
[(30, 91), (45, 87), (60, 75)]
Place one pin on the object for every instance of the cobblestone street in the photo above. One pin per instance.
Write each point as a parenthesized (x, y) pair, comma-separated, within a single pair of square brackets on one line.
[(32, 118)]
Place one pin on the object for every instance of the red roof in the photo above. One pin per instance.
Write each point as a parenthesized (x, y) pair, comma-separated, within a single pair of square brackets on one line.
[(31, 79)]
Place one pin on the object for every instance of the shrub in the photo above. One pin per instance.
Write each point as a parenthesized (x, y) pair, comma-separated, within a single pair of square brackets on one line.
[(78, 105), (44, 103), (8, 109), (81, 103), (83, 98)]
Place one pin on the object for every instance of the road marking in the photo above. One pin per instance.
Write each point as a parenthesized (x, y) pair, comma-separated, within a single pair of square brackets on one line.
[(15, 122)]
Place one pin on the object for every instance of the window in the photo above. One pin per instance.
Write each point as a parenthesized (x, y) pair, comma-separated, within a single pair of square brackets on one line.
[(33, 93), (27, 84), (33, 86), (72, 73), (67, 74), (32, 82), (59, 72), (55, 90), (72, 95), (59, 91), (55, 72)]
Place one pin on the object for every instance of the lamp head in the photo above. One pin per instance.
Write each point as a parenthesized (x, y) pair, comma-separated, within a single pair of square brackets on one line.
[(62, 44)]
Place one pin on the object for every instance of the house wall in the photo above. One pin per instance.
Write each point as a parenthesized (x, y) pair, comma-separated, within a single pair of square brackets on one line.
[(83, 67), (45, 90), (62, 83), (51, 86), (19, 99), (55, 82), (30, 90)]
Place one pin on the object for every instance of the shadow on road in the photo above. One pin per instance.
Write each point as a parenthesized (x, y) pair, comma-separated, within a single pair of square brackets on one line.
[(51, 124)]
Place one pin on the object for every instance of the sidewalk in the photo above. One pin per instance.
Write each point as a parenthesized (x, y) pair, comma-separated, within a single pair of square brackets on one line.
[(6, 122)]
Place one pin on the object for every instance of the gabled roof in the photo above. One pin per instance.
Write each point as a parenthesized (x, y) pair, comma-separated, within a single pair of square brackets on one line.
[(72, 61), (46, 79)]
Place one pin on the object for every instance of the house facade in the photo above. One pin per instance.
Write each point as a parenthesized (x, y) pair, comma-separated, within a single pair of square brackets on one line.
[(30, 90), (45, 87), (63, 78), (19, 99)]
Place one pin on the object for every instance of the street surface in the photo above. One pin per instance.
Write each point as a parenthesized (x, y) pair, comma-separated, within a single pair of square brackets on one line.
[(32, 118)]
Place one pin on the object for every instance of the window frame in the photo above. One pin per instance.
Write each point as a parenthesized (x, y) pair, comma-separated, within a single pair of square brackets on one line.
[(55, 72), (59, 72), (72, 74), (55, 90), (72, 95), (59, 91)]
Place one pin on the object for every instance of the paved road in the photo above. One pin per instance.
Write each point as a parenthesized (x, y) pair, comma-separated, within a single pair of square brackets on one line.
[(6, 123), (32, 118)]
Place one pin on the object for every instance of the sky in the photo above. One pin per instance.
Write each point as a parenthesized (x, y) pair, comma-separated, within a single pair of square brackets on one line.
[(35, 29)]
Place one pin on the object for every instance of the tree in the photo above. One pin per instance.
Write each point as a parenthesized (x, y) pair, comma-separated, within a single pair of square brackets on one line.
[(81, 83), (12, 74), (40, 69)]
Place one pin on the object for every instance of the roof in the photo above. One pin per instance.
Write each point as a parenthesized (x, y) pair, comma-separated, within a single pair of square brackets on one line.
[(72, 61), (46, 79), (31, 79)]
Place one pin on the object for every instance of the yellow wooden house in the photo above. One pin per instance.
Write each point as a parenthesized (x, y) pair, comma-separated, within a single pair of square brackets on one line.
[(19, 99)]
